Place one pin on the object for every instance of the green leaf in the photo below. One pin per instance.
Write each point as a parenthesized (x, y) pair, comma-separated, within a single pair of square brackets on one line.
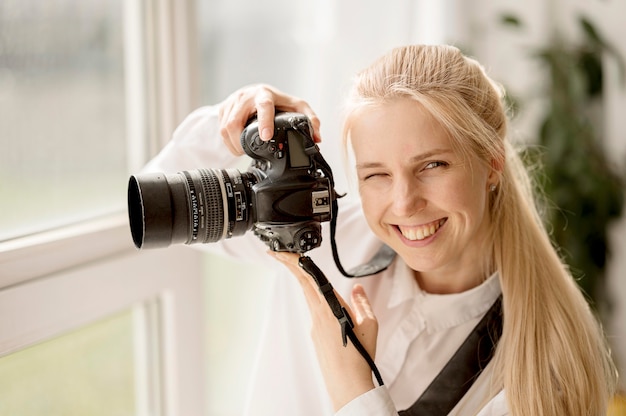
[(511, 20), (590, 31), (602, 45)]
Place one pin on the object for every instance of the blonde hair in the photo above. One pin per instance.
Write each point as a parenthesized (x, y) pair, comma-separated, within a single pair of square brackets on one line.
[(552, 358)]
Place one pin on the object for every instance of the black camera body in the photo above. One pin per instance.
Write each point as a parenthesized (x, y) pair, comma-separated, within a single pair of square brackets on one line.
[(283, 197), (293, 197)]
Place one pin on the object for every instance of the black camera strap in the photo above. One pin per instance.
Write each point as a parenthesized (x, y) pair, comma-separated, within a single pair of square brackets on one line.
[(342, 315), (381, 260), (378, 263), (385, 255)]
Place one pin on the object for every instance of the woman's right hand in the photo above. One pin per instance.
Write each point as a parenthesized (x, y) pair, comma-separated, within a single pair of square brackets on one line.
[(261, 99)]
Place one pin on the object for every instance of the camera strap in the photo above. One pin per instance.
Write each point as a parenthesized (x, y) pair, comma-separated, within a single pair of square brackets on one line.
[(379, 262), (385, 255), (342, 315)]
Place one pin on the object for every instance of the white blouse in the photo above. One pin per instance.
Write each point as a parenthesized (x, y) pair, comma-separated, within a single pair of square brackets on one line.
[(418, 331)]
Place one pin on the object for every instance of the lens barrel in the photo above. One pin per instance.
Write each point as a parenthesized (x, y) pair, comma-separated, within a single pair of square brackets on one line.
[(197, 206)]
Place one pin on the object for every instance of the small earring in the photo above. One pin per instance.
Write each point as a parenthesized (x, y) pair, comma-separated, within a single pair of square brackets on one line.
[(492, 187)]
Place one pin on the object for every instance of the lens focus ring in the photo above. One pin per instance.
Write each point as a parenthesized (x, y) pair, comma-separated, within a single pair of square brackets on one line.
[(214, 211)]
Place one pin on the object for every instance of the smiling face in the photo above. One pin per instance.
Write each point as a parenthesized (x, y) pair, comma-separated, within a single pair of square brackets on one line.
[(420, 196)]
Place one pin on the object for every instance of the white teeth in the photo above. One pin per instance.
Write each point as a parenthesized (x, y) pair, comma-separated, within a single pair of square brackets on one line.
[(422, 232)]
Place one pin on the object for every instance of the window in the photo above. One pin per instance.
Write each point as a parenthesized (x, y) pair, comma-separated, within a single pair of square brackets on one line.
[(87, 372), (144, 309), (62, 113), (86, 90)]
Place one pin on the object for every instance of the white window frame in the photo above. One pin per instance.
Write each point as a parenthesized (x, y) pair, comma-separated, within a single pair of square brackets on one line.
[(60, 280)]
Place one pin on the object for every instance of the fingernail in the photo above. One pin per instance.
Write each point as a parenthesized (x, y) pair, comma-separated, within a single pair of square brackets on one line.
[(358, 290), (266, 134)]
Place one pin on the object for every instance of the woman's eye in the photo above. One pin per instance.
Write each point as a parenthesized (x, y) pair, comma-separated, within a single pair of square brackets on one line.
[(372, 175), (432, 165)]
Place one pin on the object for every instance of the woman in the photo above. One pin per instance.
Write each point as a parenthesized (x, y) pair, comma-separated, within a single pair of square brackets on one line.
[(441, 185)]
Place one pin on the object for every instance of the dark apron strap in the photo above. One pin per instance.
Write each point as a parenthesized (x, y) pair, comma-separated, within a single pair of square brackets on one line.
[(458, 375)]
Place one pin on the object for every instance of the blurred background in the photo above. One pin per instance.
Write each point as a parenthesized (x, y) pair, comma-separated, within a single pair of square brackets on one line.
[(89, 91)]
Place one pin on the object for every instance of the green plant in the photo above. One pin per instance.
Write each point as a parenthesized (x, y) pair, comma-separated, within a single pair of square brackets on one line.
[(577, 177)]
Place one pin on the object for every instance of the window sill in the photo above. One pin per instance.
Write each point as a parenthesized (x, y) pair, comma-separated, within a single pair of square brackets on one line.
[(30, 257)]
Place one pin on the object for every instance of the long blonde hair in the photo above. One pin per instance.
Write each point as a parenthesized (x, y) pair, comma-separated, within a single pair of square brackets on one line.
[(552, 358)]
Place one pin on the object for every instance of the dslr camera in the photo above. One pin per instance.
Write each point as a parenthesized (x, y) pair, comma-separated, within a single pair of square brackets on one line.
[(283, 197)]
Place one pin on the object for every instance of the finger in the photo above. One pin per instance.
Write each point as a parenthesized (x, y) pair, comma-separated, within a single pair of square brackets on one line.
[(315, 122), (289, 103), (230, 123), (285, 102), (366, 327), (309, 287), (305, 109), (361, 305), (265, 109), (243, 104)]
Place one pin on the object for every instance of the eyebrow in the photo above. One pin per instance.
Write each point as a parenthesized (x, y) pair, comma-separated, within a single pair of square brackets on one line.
[(414, 159)]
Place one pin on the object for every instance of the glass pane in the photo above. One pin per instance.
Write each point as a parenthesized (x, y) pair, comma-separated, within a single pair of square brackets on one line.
[(62, 144), (243, 42), (87, 372), (229, 357)]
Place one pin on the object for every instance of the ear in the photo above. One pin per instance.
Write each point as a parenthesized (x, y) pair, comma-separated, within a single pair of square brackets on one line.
[(495, 173)]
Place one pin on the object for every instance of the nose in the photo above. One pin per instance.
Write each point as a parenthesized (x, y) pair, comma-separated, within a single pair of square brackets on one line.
[(407, 197)]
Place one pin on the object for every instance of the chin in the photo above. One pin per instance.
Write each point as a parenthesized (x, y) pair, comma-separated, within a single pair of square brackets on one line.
[(417, 264)]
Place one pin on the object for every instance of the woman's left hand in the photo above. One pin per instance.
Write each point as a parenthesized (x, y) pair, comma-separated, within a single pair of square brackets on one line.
[(346, 373)]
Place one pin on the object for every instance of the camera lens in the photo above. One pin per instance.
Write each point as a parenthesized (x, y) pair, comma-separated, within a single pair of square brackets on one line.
[(197, 206)]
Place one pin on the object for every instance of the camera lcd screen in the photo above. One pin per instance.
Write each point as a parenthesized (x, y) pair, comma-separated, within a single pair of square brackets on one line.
[(297, 157)]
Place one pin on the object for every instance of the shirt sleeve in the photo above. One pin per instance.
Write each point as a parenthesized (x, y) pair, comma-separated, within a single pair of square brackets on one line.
[(196, 143), (375, 402)]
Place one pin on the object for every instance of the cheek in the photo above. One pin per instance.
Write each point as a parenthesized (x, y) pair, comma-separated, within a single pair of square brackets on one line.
[(468, 198), (366, 200), (372, 204)]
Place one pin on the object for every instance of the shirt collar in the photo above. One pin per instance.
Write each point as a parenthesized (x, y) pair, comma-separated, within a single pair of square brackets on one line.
[(442, 311), (403, 285)]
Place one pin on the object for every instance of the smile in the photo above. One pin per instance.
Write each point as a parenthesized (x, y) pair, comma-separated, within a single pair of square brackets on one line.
[(420, 232)]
